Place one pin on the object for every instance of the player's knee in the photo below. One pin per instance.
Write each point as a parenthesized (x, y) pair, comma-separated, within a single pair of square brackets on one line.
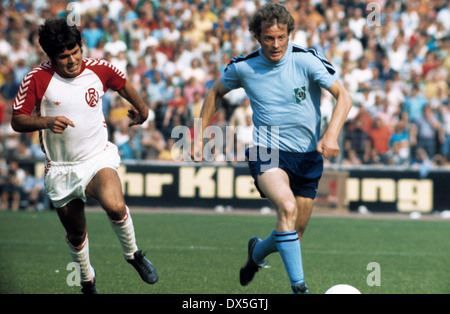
[(116, 211), (76, 239), (288, 210), (288, 207)]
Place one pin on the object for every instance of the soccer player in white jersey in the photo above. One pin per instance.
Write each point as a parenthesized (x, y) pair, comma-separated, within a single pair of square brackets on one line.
[(66, 94), (284, 83)]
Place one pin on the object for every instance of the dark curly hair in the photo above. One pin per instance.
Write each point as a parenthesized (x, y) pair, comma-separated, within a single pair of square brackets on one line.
[(271, 13), (56, 35)]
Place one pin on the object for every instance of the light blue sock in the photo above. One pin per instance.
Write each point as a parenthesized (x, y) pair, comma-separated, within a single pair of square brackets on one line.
[(264, 248), (288, 245)]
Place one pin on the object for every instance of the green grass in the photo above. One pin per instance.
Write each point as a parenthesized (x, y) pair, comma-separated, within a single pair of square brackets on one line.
[(202, 254)]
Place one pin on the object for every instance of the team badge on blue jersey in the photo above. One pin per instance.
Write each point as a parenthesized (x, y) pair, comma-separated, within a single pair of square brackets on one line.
[(300, 94)]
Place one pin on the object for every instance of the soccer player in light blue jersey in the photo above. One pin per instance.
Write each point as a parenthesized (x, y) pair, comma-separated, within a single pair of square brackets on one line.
[(284, 83)]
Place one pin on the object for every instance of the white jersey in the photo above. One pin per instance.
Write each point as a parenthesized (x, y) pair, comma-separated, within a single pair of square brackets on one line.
[(79, 99)]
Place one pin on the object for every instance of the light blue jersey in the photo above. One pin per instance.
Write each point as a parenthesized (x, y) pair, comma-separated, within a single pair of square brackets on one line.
[(284, 96)]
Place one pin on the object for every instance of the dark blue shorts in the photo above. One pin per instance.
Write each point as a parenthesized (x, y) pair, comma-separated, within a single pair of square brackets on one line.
[(303, 169)]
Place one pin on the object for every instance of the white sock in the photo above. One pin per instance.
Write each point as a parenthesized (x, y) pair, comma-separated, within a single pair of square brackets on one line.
[(125, 232), (80, 255)]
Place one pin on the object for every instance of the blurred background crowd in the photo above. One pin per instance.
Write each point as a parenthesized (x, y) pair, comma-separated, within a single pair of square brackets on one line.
[(392, 55)]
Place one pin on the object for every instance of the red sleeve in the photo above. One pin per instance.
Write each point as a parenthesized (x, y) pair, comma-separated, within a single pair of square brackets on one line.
[(110, 76), (32, 89)]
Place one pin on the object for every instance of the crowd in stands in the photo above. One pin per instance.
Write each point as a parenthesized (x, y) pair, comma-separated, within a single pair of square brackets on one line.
[(392, 55)]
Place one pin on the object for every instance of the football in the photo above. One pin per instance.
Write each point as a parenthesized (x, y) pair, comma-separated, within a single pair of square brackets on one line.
[(342, 289)]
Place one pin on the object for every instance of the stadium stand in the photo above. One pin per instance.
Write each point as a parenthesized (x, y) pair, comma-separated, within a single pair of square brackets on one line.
[(392, 55)]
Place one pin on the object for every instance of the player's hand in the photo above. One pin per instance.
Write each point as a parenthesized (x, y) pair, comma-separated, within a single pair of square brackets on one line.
[(59, 124), (328, 147), (136, 117)]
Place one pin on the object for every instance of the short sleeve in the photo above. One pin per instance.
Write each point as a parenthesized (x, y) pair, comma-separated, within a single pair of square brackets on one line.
[(321, 70), (32, 89), (230, 77), (111, 77)]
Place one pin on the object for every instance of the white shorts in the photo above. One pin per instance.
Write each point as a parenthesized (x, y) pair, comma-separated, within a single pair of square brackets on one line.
[(66, 181)]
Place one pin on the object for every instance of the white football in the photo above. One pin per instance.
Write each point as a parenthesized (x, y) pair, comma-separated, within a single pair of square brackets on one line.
[(342, 289)]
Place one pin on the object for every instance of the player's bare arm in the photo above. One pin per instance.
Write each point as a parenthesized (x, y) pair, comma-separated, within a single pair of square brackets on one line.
[(26, 123), (209, 108), (328, 145), (139, 113)]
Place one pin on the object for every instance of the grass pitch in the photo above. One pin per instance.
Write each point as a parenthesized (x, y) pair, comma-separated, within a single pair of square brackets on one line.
[(202, 254)]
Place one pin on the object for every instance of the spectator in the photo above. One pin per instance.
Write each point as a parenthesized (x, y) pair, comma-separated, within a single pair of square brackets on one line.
[(10, 141), (156, 93), (29, 195), (357, 139), (221, 147), (422, 162), (22, 151), (441, 98), (185, 56), (176, 106), (98, 52), (92, 34), (397, 54), (414, 104), (5, 46), (130, 149), (400, 134), (192, 86), (151, 73), (352, 45), (357, 22), (385, 70), (35, 147), (398, 155), (443, 16), (351, 159), (362, 74), (141, 67), (172, 34), (197, 104), (204, 19), (20, 70), (170, 153), (436, 87), (116, 45), (366, 98), (366, 118), (121, 135), (427, 126), (412, 64), (194, 71), (380, 136), (19, 50), (120, 62), (241, 113), (38, 197), (12, 186), (388, 115), (445, 122), (394, 96), (430, 63), (153, 142), (134, 53), (244, 135), (118, 112), (9, 87)]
